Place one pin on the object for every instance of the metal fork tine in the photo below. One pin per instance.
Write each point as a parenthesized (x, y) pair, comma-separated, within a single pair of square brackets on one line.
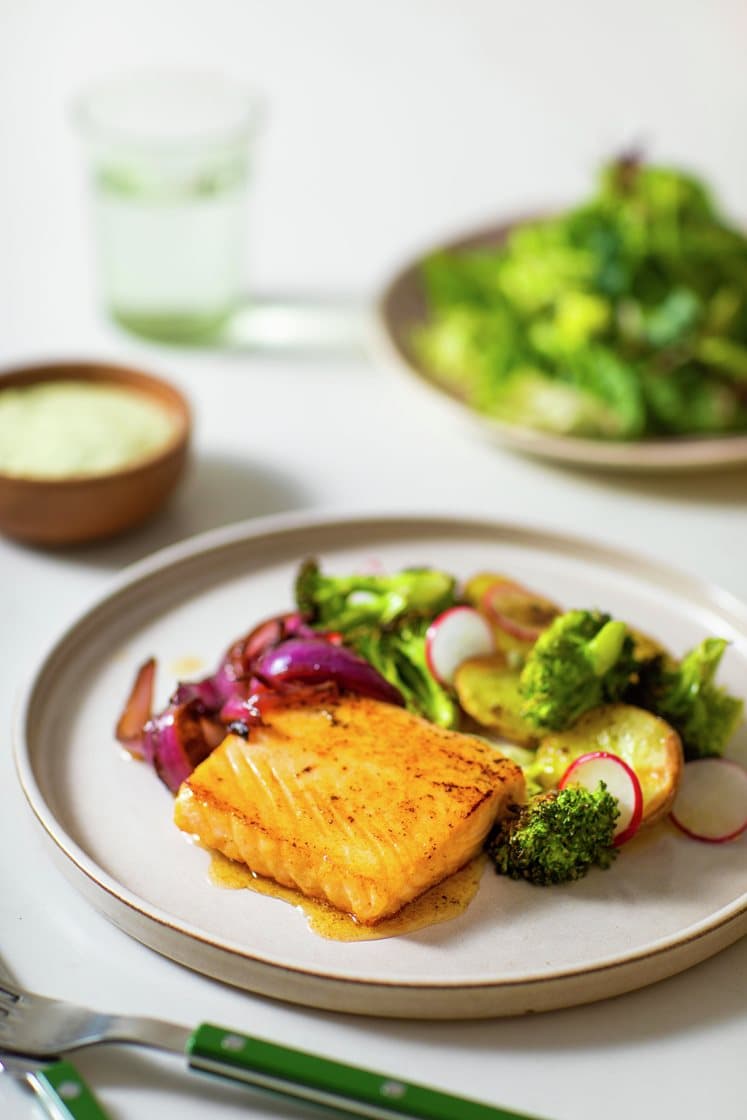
[(8, 995), (8, 986)]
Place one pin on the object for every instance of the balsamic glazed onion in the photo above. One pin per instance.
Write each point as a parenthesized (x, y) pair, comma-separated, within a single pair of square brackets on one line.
[(178, 742), (314, 660)]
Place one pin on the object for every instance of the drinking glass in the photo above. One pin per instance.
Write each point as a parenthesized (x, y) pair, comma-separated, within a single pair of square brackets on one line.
[(170, 156)]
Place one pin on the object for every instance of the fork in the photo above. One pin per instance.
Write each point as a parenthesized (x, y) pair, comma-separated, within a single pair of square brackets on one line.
[(59, 1086), (35, 1026)]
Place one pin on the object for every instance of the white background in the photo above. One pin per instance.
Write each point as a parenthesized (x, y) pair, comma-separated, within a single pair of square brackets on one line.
[(388, 125)]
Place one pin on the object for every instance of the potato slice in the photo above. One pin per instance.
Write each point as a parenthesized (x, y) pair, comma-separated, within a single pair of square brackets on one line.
[(647, 743), (488, 690)]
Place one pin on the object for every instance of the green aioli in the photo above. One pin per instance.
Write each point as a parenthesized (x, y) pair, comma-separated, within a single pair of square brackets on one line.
[(59, 429)]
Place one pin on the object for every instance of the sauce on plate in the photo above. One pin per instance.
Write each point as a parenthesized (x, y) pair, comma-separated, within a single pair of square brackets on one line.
[(446, 900)]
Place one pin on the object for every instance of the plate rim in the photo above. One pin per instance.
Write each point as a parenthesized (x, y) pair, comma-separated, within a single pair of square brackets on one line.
[(729, 921), (679, 453)]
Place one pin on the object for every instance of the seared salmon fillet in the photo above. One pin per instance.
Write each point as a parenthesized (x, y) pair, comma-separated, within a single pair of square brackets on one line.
[(355, 802)]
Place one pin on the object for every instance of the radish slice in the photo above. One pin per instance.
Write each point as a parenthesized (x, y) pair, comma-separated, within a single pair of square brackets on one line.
[(588, 770), (711, 802), (458, 633), (503, 599)]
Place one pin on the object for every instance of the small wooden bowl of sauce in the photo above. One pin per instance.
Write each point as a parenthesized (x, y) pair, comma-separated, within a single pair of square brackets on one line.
[(87, 450)]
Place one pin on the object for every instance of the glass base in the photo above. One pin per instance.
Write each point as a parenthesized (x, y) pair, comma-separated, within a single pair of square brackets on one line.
[(178, 327)]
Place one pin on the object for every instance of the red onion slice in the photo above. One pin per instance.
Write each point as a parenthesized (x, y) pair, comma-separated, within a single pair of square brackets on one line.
[(177, 744), (137, 709), (315, 660)]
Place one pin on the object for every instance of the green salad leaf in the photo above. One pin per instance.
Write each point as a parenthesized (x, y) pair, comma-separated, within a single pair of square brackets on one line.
[(622, 318)]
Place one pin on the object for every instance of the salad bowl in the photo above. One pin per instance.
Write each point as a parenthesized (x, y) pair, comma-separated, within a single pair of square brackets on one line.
[(402, 307), (609, 335)]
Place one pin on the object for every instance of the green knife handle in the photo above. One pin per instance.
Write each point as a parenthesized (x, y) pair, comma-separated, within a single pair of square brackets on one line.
[(63, 1089), (348, 1089)]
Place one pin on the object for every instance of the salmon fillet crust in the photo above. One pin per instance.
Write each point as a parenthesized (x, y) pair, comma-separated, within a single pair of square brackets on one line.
[(355, 802)]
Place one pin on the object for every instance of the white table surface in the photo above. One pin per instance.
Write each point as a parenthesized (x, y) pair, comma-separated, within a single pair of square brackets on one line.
[(390, 124)]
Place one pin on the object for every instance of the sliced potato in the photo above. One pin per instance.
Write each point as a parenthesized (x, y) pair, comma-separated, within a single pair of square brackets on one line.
[(647, 743), (488, 690), (517, 615)]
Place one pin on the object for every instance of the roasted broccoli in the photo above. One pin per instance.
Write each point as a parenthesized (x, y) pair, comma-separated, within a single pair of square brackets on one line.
[(343, 603), (384, 618), (583, 659), (685, 695), (397, 651), (556, 836)]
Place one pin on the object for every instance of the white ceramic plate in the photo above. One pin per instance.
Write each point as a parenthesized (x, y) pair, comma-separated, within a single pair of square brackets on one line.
[(402, 306), (666, 904)]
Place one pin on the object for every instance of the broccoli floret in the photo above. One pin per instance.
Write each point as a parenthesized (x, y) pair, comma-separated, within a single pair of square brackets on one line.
[(398, 653), (384, 618), (685, 695), (556, 837), (583, 659), (344, 602)]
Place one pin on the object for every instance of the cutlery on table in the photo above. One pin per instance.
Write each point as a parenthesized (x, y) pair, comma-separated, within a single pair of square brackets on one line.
[(58, 1084), (37, 1027)]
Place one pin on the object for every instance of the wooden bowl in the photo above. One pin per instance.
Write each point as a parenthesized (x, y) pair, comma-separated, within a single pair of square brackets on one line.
[(77, 508)]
